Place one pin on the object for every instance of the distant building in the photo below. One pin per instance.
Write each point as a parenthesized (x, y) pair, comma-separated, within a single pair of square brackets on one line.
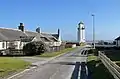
[(117, 40), (81, 32)]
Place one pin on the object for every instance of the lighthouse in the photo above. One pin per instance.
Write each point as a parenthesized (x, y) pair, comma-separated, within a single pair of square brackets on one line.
[(81, 32)]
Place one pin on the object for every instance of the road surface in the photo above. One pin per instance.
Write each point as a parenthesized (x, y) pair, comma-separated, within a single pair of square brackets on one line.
[(58, 68)]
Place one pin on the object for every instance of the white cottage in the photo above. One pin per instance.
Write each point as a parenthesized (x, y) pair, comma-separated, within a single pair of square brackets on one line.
[(17, 38)]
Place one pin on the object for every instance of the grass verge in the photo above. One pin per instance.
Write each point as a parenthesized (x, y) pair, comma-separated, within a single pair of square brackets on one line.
[(92, 57), (9, 65), (56, 53), (96, 69), (114, 55)]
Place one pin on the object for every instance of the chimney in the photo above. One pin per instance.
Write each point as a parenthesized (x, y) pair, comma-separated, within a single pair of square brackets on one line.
[(58, 32), (59, 36), (21, 27), (38, 30)]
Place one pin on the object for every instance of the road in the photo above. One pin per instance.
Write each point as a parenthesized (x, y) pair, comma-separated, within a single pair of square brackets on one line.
[(58, 68)]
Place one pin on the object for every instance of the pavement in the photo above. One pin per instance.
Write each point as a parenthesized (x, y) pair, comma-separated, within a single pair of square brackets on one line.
[(61, 67)]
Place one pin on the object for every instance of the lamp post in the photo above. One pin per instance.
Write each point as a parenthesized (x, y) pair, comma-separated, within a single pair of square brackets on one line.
[(93, 19)]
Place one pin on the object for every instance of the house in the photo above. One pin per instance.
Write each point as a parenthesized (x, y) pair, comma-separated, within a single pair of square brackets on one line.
[(117, 40), (17, 38)]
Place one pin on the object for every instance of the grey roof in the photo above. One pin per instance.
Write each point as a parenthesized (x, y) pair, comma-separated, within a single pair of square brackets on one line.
[(55, 35), (10, 34), (2, 37), (30, 33), (52, 37), (39, 36), (118, 38), (45, 39), (15, 34), (26, 38)]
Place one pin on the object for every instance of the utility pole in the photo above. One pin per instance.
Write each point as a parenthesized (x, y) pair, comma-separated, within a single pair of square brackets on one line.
[(93, 19)]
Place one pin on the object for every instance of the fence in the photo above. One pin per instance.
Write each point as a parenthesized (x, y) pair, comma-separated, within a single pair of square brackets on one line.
[(55, 48), (113, 68)]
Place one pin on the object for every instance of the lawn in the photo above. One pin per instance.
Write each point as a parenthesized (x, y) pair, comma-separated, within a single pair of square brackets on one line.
[(96, 69), (56, 53), (114, 55), (92, 57), (9, 65)]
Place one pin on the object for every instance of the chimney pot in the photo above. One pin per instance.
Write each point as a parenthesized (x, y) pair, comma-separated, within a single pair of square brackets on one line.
[(38, 30), (21, 27)]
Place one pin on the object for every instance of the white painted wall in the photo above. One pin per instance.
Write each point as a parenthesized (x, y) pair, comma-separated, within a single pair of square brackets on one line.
[(57, 43), (35, 39), (83, 38), (18, 44), (81, 33), (74, 45), (118, 43), (53, 43), (78, 35), (1, 44)]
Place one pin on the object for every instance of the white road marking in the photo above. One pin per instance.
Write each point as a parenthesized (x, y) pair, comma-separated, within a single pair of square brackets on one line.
[(79, 73), (69, 76), (86, 70), (21, 72)]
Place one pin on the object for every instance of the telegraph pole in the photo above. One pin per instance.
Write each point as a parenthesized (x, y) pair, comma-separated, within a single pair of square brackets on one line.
[(93, 19)]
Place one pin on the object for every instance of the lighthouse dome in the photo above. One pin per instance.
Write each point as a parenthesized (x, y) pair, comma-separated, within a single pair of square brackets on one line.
[(80, 23)]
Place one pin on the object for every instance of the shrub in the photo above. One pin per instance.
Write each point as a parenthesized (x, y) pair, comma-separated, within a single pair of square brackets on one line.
[(34, 48), (29, 49), (93, 51)]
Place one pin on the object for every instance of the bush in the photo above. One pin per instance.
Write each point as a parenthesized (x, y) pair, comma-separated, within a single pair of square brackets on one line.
[(34, 48), (41, 49), (93, 51)]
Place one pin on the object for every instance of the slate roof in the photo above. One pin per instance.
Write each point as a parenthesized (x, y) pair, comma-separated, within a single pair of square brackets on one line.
[(30, 33), (15, 34), (10, 34), (2, 37), (55, 35), (26, 38), (39, 37), (52, 37), (118, 38)]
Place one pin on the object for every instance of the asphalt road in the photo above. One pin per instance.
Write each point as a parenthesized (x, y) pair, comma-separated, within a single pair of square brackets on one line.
[(58, 68)]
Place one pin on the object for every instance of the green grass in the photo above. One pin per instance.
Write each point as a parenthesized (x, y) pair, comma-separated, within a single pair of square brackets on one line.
[(9, 65), (97, 69), (113, 55), (56, 53), (92, 57)]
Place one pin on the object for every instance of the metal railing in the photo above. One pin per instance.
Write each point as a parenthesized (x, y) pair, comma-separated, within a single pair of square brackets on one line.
[(113, 68)]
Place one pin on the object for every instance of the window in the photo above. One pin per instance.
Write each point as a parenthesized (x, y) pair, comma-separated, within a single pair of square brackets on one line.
[(3, 45)]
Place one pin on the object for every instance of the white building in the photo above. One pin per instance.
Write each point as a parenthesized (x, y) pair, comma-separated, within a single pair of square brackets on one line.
[(81, 32), (17, 38), (117, 40)]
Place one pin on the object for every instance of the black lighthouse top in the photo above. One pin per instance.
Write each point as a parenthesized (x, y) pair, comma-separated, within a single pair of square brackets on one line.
[(80, 23)]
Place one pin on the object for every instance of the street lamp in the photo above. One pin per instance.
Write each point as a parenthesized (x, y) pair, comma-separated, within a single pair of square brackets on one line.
[(93, 19)]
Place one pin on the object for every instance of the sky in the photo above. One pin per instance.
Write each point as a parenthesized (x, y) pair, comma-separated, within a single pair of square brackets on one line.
[(50, 15)]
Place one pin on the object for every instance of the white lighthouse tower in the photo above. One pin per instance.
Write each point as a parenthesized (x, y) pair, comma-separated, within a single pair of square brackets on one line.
[(81, 33)]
